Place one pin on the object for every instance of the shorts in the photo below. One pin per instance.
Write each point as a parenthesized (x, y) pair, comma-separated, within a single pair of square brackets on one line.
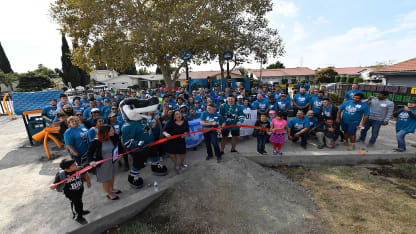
[(226, 132), (350, 127)]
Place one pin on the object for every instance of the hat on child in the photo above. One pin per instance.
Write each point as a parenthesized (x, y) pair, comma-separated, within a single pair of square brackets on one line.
[(272, 112)]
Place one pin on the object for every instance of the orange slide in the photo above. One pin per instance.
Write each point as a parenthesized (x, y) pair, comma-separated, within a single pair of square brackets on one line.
[(45, 134)]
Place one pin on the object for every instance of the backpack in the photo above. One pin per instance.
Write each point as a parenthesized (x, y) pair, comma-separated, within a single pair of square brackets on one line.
[(62, 176)]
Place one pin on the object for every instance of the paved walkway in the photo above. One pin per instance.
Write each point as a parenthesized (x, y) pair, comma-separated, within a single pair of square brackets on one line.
[(28, 206)]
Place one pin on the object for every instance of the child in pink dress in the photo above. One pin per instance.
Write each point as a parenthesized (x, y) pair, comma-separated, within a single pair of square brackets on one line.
[(278, 136)]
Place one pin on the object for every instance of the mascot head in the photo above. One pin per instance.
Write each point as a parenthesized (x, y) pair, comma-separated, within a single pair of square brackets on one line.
[(133, 109)]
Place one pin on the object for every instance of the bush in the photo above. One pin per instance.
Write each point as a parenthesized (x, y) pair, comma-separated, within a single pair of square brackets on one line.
[(358, 80), (337, 79), (344, 79), (335, 99), (350, 80), (332, 80), (284, 81), (294, 80)]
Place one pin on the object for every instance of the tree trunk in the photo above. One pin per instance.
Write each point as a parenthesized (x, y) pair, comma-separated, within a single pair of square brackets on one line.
[(166, 72), (222, 68)]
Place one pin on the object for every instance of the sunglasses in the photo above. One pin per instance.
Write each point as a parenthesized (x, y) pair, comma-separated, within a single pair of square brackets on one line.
[(78, 115)]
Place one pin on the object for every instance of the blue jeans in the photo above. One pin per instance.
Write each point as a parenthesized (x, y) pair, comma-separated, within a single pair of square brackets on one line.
[(261, 143), (210, 138), (375, 125), (401, 144)]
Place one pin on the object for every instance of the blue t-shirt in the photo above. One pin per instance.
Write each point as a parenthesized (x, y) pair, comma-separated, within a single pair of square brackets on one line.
[(50, 112), (316, 104), (313, 122), (301, 100), (296, 124), (260, 105), (350, 94), (283, 105), (77, 138), (353, 112), (271, 106), (307, 87), (193, 117), (276, 95), (92, 134), (84, 103), (81, 108), (232, 114), (404, 122), (216, 117)]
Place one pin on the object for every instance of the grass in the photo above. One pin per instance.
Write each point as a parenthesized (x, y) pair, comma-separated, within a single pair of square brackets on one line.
[(360, 200)]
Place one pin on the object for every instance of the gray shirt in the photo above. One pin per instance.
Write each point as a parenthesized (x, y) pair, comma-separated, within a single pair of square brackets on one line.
[(380, 110)]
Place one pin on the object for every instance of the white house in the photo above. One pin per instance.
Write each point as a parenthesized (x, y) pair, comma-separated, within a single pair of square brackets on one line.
[(103, 75), (143, 81)]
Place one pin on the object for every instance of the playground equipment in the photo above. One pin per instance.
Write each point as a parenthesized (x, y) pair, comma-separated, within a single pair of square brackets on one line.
[(29, 105)]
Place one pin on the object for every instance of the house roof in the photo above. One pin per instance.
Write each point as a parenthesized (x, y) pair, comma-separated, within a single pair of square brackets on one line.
[(299, 71), (348, 70), (408, 65), (205, 74)]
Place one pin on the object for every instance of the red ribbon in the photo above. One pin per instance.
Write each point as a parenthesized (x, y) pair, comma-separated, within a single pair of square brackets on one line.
[(85, 169)]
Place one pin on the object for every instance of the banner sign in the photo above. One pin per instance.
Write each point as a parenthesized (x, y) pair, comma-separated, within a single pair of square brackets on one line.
[(195, 139), (251, 117)]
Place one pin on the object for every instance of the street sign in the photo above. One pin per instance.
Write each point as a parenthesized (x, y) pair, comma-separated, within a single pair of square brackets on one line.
[(185, 55), (228, 55)]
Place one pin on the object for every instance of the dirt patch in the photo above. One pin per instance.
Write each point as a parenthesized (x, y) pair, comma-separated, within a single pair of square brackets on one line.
[(361, 200), (236, 196)]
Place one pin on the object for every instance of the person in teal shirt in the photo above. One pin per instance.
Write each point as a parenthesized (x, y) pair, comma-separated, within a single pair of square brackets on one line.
[(211, 119), (260, 105), (233, 115), (350, 94), (301, 101), (76, 139), (316, 104), (49, 112), (405, 124), (352, 113), (298, 128)]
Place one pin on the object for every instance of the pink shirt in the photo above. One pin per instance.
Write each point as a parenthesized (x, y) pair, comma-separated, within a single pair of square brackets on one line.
[(279, 124)]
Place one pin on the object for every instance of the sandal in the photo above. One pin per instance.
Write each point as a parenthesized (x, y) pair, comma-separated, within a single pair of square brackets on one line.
[(117, 191), (114, 198)]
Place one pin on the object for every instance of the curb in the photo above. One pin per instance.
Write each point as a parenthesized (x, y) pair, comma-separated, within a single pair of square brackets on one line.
[(332, 160)]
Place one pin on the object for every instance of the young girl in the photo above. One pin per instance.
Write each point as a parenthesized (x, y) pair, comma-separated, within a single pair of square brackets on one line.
[(278, 136)]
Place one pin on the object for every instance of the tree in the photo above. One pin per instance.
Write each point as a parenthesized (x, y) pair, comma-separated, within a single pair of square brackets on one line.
[(8, 79), (70, 73), (143, 71), (243, 71), (276, 65), (84, 77), (325, 75), (115, 33), (31, 81), (4, 61), (46, 72)]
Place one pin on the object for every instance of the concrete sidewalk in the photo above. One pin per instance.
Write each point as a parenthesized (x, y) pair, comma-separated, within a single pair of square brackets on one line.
[(28, 206)]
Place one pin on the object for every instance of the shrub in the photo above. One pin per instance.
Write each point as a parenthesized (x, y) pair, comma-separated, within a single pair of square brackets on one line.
[(337, 79), (358, 80), (344, 79), (350, 80), (284, 81)]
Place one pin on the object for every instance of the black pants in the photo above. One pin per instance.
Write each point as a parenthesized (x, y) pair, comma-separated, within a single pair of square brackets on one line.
[(261, 143), (303, 138), (140, 158), (77, 207), (211, 138)]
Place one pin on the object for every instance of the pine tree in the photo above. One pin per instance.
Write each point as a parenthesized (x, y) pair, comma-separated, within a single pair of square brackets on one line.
[(4, 62), (70, 73), (83, 75)]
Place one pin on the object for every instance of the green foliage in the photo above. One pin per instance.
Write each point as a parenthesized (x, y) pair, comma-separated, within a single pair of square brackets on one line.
[(70, 73), (115, 33), (4, 61), (284, 81), (337, 79), (45, 72), (143, 71), (335, 99), (276, 65), (294, 81), (243, 71), (32, 81), (325, 75), (8, 79), (343, 79), (131, 70), (358, 80), (350, 80)]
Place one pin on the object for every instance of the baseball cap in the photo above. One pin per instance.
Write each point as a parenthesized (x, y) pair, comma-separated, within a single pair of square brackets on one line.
[(95, 110)]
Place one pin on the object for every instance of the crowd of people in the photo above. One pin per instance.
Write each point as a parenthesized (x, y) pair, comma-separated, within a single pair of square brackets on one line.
[(93, 127)]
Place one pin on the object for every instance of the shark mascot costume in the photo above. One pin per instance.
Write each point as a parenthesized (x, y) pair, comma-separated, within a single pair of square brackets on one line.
[(137, 132)]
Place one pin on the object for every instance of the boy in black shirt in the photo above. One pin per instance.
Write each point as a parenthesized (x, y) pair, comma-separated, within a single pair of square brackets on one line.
[(262, 134), (72, 188)]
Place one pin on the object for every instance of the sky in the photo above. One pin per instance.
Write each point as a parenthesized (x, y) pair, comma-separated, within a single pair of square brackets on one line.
[(316, 33)]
